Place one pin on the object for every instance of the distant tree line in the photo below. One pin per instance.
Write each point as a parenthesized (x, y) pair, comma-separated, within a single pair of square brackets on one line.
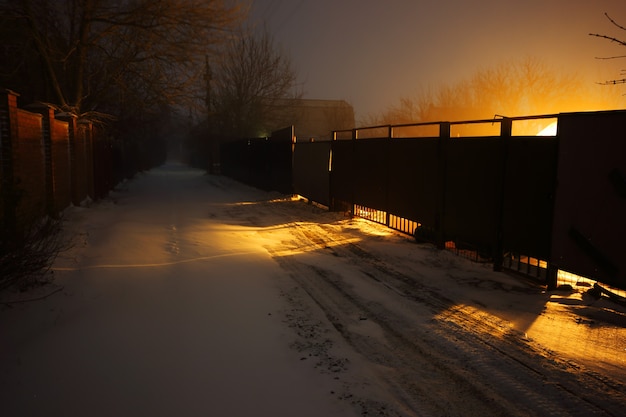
[(521, 87)]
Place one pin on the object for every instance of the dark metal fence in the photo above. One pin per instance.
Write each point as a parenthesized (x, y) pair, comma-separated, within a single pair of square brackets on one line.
[(534, 204), (590, 201), (488, 197), (311, 162), (265, 163)]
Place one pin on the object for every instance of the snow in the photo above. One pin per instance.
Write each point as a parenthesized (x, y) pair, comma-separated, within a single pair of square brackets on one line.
[(192, 295)]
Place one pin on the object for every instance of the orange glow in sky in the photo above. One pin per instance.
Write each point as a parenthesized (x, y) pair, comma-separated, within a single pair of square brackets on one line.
[(373, 53)]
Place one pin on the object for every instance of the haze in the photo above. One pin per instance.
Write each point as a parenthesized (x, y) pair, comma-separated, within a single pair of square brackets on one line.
[(372, 53)]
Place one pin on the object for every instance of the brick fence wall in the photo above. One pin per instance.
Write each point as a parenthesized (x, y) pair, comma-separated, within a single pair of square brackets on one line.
[(46, 162)]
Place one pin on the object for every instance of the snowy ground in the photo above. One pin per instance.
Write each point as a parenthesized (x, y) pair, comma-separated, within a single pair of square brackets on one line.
[(192, 295)]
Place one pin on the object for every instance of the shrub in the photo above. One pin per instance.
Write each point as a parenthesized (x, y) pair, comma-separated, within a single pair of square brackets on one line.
[(25, 261)]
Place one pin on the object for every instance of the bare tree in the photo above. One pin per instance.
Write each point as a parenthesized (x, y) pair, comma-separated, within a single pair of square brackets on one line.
[(514, 88), (252, 81), (614, 40), (26, 261), (522, 87), (96, 54), (407, 110)]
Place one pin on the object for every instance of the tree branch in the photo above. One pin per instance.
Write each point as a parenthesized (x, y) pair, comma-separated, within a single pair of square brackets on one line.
[(614, 22), (610, 38)]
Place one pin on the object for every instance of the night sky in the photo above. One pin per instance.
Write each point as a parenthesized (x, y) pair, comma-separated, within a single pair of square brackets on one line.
[(373, 52)]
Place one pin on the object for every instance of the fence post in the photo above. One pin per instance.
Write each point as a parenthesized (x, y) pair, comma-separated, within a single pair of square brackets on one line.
[(506, 126), (387, 173), (355, 136), (331, 200), (444, 138), (8, 163)]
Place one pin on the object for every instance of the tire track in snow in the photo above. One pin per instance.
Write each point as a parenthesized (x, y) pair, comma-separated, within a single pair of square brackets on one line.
[(411, 363), (457, 363), (523, 348), (530, 376), (512, 381), (420, 381)]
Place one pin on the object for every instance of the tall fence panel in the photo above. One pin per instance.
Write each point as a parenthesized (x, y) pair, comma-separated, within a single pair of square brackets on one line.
[(529, 195), (342, 175), (280, 149), (370, 173), (590, 207), (265, 163), (234, 160), (311, 176), (259, 163), (414, 188), (472, 194)]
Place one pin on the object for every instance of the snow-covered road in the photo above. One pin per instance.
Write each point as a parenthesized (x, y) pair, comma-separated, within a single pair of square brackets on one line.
[(193, 295)]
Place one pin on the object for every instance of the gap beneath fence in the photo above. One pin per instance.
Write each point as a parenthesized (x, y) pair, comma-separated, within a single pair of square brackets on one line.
[(531, 267)]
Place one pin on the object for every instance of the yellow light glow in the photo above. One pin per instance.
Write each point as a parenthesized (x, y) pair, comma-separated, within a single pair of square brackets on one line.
[(549, 130), (491, 324), (313, 247)]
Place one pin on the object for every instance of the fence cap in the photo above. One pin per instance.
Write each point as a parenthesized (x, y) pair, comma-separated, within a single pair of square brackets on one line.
[(66, 116), (40, 105), (11, 92)]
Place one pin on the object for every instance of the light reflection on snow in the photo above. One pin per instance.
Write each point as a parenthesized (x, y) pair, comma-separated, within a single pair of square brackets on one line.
[(492, 325), (153, 265), (313, 247), (259, 202)]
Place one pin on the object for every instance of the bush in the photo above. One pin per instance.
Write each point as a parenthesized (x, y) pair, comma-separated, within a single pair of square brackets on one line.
[(25, 261)]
